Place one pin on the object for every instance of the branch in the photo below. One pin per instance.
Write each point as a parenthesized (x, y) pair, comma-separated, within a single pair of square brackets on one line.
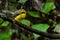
[(49, 35)]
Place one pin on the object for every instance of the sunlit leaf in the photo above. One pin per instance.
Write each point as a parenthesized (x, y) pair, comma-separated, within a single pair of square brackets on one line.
[(48, 6), (26, 22), (5, 24), (22, 1), (34, 14), (41, 27), (36, 36), (57, 28)]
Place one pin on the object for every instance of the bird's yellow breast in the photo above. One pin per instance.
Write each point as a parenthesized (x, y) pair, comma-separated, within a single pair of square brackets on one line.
[(21, 16)]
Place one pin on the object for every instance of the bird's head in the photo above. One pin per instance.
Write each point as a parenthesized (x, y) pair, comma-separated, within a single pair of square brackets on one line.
[(22, 13)]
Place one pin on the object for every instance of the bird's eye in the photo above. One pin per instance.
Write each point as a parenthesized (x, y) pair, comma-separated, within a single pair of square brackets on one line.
[(22, 12)]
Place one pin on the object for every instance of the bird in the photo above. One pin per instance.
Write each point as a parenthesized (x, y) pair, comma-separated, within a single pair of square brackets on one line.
[(21, 16)]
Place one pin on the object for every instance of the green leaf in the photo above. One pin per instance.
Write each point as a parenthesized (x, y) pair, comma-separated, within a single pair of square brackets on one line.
[(22, 1), (41, 27), (5, 24), (36, 36), (57, 28), (5, 36), (34, 14), (26, 22), (48, 6)]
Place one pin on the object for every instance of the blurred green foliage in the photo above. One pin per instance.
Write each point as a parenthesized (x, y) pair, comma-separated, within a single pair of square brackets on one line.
[(26, 22), (46, 7), (5, 24), (41, 27), (5, 36), (34, 14)]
